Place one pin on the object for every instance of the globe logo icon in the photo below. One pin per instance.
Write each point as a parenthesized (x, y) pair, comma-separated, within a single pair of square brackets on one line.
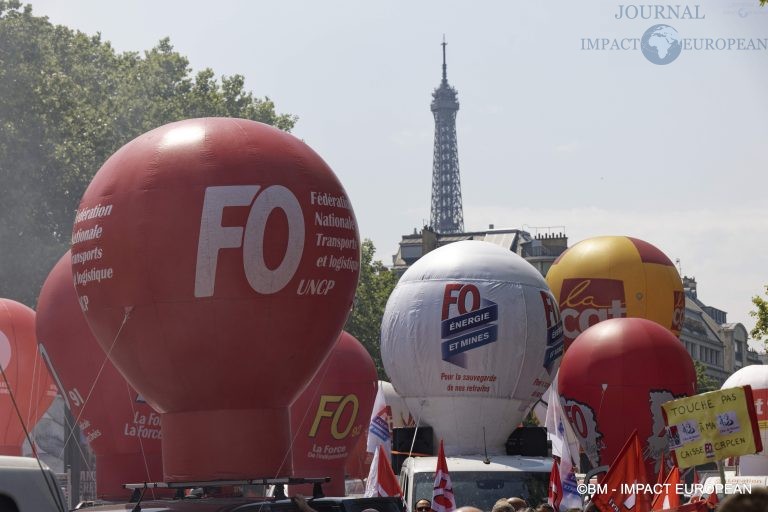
[(661, 44)]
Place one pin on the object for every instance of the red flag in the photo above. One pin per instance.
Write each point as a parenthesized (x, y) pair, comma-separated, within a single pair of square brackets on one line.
[(668, 497), (712, 499), (442, 495), (381, 479), (555, 487), (626, 473), (696, 496)]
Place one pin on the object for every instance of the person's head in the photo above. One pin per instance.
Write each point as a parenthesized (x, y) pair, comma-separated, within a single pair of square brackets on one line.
[(756, 501), (423, 505), (517, 503), (502, 505), (545, 507), (468, 509)]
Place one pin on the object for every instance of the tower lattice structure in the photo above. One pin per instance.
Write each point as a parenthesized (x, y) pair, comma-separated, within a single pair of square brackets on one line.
[(447, 213)]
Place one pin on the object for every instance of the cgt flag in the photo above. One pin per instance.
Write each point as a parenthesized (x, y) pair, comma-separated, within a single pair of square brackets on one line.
[(443, 499), (381, 479), (621, 483), (668, 497), (555, 487)]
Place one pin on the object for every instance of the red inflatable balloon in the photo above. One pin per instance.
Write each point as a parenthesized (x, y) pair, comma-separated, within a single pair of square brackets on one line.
[(26, 375), (613, 380), (217, 259), (329, 417), (122, 430)]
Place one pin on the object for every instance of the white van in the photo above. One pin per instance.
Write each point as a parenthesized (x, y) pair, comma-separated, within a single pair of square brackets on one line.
[(479, 482)]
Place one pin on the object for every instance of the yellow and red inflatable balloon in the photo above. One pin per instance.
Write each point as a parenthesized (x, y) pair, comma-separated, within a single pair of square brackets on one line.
[(616, 277)]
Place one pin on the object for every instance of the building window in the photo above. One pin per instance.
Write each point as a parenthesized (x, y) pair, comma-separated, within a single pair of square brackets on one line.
[(691, 348), (710, 356)]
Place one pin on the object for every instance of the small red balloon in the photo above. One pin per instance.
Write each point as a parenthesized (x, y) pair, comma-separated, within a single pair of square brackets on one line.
[(219, 260), (330, 417), (122, 430), (24, 373), (613, 380)]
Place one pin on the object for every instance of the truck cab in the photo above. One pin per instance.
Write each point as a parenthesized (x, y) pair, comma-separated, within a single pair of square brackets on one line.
[(28, 486), (479, 481)]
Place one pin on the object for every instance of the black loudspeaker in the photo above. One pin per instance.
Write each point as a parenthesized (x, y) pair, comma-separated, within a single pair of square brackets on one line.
[(528, 441), (402, 437)]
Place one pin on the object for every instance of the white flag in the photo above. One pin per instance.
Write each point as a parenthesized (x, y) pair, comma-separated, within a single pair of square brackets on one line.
[(565, 444), (571, 497), (380, 429), (373, 477)]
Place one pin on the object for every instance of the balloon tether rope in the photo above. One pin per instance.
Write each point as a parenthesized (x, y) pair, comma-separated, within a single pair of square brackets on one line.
[(127, 314)]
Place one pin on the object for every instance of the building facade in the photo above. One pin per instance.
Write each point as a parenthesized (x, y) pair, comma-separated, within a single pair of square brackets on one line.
[(710, 339), (540, 248)]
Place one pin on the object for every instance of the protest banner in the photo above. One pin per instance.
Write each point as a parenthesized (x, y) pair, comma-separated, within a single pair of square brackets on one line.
[(712, 426)]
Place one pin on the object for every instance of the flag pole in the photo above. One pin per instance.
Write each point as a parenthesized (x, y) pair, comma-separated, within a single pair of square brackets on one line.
[(721, 470)]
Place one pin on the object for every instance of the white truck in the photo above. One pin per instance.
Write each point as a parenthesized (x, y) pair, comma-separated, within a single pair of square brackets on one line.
[(479, 481), (28, 486)]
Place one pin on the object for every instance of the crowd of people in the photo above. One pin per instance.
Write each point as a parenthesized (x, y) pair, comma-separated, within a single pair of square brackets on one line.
[(503, 505), (756, 501)]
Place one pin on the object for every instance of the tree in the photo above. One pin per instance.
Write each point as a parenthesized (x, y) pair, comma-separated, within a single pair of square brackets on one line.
[(704, 382), (373, 290), (761, 314), (67, 102)]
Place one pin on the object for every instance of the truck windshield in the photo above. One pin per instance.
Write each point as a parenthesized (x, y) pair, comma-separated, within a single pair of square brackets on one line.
[(482, 489)]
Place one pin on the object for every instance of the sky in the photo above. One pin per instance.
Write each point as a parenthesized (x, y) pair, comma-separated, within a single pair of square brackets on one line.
[(554, 132)]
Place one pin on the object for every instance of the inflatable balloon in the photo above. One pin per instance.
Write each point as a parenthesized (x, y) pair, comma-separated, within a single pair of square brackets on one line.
[(471, 337), (122, 430), (216, 261), (25, 375), (331, 415), (615, 277), (757, 377), (613, 380)]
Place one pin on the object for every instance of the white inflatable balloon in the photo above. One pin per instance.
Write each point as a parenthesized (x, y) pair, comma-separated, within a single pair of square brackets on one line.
[(757, 377), (471, 338)]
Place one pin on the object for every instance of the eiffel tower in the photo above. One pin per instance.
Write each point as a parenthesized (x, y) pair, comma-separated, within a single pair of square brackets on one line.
[(447, 213)]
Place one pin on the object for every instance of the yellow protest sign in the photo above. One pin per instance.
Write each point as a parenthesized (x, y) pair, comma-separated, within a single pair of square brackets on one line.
[(712, 426)]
